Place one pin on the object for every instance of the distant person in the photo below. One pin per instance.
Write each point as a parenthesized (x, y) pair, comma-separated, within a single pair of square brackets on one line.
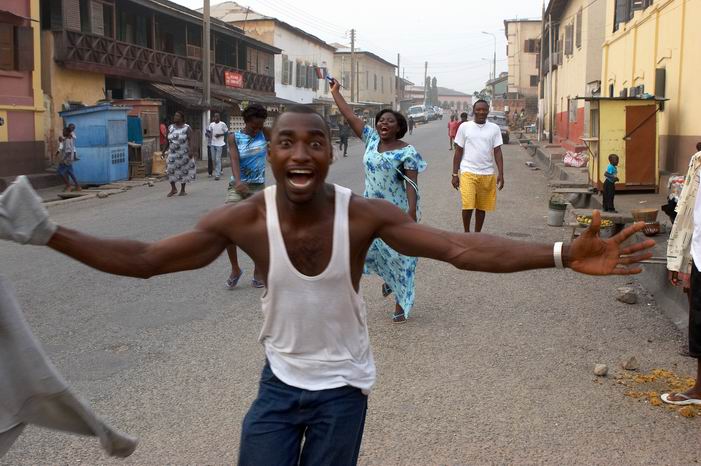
[(453, 126), (463, 118), (478, 166), (248, 151), (67, 156), (411, 123), (683, 257), (611, 176), (180, 163), (344, 131), (218, 130), (163, 134)]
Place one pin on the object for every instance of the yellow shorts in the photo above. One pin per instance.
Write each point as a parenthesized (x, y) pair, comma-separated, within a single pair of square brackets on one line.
[(478, 191)]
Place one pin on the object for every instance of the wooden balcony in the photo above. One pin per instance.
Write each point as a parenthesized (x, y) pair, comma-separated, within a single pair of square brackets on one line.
[(99, 54)]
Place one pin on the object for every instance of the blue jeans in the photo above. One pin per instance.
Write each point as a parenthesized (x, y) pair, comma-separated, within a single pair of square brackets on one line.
[(330, 422), (216, 153)]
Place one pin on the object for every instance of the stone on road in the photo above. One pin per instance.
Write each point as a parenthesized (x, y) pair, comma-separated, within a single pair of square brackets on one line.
[(490, 369)]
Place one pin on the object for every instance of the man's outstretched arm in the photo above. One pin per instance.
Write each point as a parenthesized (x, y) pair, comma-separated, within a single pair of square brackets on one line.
[(588, 254)]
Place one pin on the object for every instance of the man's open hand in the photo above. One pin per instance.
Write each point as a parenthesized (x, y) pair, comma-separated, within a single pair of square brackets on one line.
[(591, 255)]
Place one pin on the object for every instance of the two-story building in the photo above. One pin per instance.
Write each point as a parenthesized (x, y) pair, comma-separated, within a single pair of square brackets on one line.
[(453, 100), (103, 49), (301, 53), (523, 38), (650, 48), (573, 34), (21, 99), (375, 79)]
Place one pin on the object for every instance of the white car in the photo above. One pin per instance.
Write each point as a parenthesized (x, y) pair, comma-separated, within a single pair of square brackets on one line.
[(419, 113)]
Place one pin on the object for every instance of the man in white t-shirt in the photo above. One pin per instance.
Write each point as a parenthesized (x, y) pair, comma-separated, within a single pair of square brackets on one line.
[(478, 166), (218, 130)]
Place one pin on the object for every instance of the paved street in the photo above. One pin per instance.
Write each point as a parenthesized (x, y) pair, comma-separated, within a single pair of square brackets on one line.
[(489, 369)]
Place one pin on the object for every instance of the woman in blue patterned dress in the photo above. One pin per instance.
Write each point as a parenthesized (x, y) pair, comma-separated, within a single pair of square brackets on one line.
[(391, 172)]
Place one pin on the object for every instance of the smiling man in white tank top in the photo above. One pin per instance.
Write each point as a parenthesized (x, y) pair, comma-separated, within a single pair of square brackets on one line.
[(309, 239)]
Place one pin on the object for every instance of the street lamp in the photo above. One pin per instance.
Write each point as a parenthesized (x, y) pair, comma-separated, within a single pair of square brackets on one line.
[(494, 66)]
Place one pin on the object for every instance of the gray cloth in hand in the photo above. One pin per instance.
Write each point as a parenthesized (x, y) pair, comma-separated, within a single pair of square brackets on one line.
[(23, 217), (33, 392)]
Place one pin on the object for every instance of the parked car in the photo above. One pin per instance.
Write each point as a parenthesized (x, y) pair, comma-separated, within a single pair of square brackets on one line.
[(418, 113), (439, 112), (431, 113), (499, 119)]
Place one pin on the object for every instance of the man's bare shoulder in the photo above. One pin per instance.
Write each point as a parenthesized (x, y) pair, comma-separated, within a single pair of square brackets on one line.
[(236, 216), (376, 211)]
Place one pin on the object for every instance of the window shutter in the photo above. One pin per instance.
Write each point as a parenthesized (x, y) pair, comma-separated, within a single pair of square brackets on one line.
[(98, 24), (71, 14), (284, 77), (568, 39), (579, 30), (7, 47), (25, 48)]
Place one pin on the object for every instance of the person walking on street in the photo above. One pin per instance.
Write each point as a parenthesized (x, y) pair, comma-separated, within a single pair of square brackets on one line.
[(163, 135), (453, 126), (478, 166), (67, 158), (180, 164), (683, 260), (391, 172), (343, 134), (309, 238), (217, 130), (411, 123), (463, 118), (248, 151)]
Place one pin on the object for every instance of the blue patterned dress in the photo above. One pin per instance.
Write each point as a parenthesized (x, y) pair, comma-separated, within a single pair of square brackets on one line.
[(382, 181)]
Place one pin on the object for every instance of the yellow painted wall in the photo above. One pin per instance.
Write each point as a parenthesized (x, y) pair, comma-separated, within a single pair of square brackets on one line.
[(3, 129), (665, 35), (64, 85)]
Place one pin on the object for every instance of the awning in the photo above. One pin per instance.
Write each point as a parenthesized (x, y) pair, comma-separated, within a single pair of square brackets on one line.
[(236, 96), (188, 97)]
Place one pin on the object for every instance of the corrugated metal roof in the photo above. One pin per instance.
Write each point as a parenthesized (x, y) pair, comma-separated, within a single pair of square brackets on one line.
[(188, 97)]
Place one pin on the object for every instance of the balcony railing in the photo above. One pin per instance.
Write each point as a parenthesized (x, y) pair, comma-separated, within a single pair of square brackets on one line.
[(90, 52)]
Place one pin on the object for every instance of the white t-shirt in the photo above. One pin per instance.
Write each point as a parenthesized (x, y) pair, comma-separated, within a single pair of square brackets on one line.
[(696, 235), (218, 128), (478, 142)]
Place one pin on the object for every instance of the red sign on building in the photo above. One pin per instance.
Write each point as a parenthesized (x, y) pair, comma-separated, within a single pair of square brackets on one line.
[(233, 79)]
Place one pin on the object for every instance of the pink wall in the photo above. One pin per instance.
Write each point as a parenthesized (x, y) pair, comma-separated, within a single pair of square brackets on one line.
[(569, 134), (16, 86), (20, 126), (17, 7)]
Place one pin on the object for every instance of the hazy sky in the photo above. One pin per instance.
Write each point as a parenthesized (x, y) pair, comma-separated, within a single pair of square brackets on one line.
[(446, 33)]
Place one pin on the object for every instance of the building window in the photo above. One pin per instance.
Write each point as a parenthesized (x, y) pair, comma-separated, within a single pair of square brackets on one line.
[(382, 84), (569, 37), (531, 46), (345, 79), (285, 78), (16, 48), (534, 80), (624, 10), (375, 81), (578, 35)]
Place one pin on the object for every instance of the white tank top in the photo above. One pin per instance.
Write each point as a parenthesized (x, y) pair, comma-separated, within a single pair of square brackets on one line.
[(315, 330)]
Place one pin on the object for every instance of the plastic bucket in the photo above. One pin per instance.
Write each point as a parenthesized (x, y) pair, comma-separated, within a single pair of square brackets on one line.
[(556, 215)]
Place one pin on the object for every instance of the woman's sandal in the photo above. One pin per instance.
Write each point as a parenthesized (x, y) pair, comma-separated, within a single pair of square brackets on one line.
[(386, 290), (399, 319)]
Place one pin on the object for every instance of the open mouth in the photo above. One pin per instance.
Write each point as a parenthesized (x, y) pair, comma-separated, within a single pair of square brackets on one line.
[(384, 130), (300, 177)]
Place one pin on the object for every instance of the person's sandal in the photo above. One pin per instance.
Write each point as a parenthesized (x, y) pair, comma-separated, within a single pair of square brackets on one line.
[(232, 281), (255, 283), (399, 319), (386, 290)]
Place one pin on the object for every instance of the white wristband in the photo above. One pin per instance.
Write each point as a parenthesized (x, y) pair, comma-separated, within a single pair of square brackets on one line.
[(557, 255)]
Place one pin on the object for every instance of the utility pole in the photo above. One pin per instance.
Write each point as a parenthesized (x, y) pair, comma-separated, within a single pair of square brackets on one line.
[(425, 78), (541, 83), (205, 76), (353, 65), (397, 84), (551, 119)]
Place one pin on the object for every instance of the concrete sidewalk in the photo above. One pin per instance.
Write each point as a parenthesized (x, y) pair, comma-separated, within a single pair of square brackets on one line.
[(671, 300)]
